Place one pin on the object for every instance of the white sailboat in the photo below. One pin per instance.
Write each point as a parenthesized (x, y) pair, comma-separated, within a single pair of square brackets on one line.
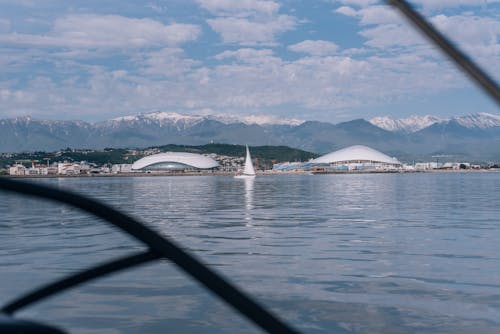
[(248, 171)]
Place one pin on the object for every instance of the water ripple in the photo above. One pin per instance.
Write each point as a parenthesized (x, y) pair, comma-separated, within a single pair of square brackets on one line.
[(412, 253)]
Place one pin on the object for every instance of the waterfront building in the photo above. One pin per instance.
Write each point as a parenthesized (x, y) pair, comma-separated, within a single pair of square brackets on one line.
[(357, 157), (352, 158), (443, 165), (68, 168), (296, 166), (121, 168), (174, 161), (17, 170), (85, 168), (50, 170), (33, 171)]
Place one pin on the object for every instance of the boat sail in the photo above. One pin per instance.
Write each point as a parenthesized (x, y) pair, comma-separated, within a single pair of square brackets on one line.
[(248, 171)]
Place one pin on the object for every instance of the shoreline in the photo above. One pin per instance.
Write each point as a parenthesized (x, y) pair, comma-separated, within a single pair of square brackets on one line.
[(265, 173)]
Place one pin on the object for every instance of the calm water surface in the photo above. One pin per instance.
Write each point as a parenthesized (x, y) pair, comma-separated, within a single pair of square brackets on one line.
[(381, 253)]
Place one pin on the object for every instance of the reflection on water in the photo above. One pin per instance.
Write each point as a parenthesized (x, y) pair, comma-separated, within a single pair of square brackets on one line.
[(249, 199), (384, 253)]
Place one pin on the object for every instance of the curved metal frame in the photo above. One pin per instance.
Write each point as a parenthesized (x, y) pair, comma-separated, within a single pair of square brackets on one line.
[(159, 247), (78, 278)]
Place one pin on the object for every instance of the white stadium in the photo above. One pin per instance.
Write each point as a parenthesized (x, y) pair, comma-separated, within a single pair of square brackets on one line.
[(174, 161), (357, 154), (352, 158)]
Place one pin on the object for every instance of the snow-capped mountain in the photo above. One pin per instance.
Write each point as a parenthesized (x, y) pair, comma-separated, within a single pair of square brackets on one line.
[(142, 130), (474, 137), (407, 125), (184, 121), (255, 119), (160, 118), (480, 120), (416, 123)]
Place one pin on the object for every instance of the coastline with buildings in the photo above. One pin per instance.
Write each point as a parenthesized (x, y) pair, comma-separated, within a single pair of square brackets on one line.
[(154, 162)]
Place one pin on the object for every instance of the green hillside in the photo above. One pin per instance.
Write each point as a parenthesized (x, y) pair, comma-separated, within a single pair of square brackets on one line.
[(267, 154), (278, 153)]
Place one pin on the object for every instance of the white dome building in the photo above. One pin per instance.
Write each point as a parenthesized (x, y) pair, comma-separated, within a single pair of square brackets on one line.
[(174, 161), (358, 157)]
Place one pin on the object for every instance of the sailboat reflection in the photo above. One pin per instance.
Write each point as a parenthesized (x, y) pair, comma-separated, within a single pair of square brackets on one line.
[(249, 185)]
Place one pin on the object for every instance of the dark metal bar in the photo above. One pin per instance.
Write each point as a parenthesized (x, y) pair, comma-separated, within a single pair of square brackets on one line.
[(160, 245), (465, 63), (78, 278)]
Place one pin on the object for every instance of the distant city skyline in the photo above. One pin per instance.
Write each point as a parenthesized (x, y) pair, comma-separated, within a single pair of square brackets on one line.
[(327, 60)]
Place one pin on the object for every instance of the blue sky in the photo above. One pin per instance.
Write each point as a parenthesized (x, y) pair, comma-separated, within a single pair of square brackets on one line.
[(328, 60)]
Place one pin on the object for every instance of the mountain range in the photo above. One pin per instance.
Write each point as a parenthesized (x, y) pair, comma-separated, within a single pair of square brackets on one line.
[(417, 123), (474, 137)]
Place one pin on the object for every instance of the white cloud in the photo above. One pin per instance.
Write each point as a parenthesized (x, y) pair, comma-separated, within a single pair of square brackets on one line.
[(157, 7), (359, 3), (240, 8), (395, 40), (347, 11), (477, 36), (4, 25), (473, 32), (247, 55), (426, 4), (17, 96), (251, 32), (433, 4), (13, 62), (388, 36), (247, 22), (259, 79), (372, 14), (315, 48), (379, 15), (107, 31), (386, 28), (326, 83), (168, 62), (140, 65)]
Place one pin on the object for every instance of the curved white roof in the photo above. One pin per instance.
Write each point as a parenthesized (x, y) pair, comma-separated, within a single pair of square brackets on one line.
[(356, 153), (190, 159)]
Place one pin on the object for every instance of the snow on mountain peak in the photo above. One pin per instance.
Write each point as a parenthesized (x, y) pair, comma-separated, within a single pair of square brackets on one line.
[(124, 118), (410, 124), (255, 119), (158, 116), (173, 117), (270, 119), (249, 119), (480, 120), (416, 123)]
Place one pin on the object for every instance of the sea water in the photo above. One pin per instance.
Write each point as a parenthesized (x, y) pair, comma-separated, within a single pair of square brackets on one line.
[(351, 253)]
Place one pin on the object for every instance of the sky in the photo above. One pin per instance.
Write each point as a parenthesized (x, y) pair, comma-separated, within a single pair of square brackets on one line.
[(326, 60)]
